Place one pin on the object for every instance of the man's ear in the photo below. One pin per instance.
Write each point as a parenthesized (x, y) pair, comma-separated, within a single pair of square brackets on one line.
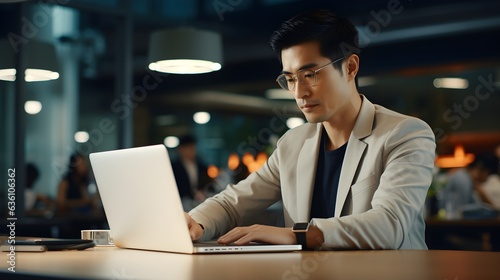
[(352, 65)]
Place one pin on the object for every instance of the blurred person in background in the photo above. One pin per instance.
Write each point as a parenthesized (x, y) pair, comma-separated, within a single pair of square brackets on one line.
[(490, 190), (464, 186), (191, 175), (36, 204), (73, 197)]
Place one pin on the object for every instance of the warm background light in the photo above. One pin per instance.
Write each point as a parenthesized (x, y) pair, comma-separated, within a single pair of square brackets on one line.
[(212, 171), (253, 164), (233, 161), (459, 159)]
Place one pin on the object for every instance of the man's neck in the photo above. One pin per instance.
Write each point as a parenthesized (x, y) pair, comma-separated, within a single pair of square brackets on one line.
[(340, 127)]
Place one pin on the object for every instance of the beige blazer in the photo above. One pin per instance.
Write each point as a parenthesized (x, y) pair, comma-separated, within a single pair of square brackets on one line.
[(385, 176)]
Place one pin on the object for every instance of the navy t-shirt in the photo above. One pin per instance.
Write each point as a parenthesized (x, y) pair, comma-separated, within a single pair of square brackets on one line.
[(327, 180)]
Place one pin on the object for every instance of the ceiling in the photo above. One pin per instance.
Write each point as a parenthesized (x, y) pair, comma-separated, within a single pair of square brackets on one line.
[(404, 49), (420, 33), (404, 34)]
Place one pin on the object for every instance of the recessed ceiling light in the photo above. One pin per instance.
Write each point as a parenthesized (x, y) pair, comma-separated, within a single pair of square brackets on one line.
[(294, 122), (32, 107), (201, 117), (81, 136), (451, 83), (171, 141), (277, 93)]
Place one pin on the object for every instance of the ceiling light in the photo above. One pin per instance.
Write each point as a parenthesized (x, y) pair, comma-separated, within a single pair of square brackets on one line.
[(185, 51), (32, 107), (81, 136), (278, 93), (171, 141), (201, 117), (451, 83), (37, 75), (40, 61), (294, 122), (8, 74)]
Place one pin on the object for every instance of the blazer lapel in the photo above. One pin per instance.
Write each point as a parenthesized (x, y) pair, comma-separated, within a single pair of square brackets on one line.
[(306, 174), (354, 151)]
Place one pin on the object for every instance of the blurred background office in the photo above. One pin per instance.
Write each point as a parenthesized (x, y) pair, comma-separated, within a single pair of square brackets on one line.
[(111, 80)]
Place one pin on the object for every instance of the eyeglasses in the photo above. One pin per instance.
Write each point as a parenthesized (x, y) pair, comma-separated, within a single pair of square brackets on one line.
[(305, 76)]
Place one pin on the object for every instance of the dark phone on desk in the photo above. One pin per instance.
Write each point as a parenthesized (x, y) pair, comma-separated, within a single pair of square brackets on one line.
[(51, 244)]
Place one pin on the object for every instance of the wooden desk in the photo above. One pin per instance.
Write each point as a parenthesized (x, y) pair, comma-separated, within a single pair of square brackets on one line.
[(115, 263)]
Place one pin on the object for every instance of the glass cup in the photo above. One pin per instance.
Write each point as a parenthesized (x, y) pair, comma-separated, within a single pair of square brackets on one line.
[(101, 237)]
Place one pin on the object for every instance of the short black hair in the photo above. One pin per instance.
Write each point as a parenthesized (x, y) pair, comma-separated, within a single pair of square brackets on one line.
[(337, 36), (486, 162), (187, 139), (32, 174)]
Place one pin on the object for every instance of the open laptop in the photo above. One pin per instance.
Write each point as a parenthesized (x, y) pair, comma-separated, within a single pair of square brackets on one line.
[(143, 207)]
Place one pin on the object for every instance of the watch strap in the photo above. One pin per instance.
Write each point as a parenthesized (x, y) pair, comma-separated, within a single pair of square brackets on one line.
[(301, 239)]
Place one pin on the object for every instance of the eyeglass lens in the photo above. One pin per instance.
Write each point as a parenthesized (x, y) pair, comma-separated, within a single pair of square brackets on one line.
[(305, 77)]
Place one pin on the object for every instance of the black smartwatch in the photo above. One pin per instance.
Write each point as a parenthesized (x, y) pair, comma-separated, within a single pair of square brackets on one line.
[(300, 230)]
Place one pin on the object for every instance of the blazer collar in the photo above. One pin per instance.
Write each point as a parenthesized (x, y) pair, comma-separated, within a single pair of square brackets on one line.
[(364, 123)]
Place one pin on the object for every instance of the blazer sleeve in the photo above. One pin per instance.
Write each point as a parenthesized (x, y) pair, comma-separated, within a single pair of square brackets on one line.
[(395, 218), (249, 197)]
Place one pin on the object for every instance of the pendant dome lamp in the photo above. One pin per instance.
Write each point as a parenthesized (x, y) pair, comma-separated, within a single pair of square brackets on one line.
[(40, 61), (185, 51)]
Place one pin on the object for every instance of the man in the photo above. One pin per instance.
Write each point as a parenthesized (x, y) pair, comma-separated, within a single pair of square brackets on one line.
[(190, 173), (357, 173)]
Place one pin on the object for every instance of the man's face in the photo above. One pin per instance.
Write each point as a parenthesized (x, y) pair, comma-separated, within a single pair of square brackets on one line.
[(325, 100)]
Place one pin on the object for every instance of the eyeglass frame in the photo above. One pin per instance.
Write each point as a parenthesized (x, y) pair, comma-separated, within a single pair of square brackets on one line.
[(296, 79)]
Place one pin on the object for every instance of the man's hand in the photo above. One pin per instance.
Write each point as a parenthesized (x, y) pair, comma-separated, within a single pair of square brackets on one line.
[(195, 229), (259, 233)]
